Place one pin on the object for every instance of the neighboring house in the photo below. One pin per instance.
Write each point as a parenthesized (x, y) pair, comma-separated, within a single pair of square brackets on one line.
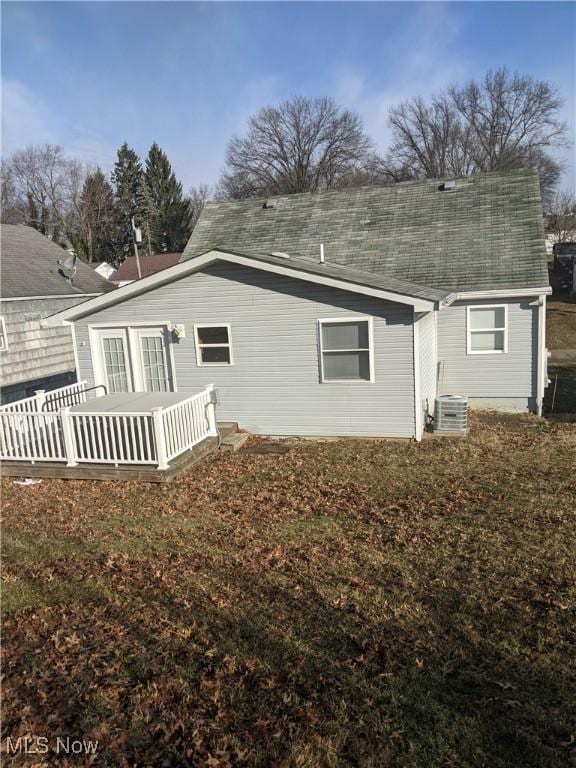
[(33, 357), (127, 272), (340, 313)]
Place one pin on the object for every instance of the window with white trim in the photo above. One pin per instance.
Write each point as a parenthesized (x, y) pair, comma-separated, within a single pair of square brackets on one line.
[(3, 336), (345, 350), (213, 344), (487, 329)]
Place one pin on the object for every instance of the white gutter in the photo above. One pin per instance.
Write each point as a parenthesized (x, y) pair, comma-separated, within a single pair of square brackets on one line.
[(500, 293)]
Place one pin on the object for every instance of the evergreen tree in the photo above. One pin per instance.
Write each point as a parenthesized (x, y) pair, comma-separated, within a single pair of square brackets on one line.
[(172, 208), (99, 231), (132, 200)]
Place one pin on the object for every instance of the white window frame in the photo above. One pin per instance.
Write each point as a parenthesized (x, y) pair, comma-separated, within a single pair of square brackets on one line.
[(370, 350), (199, 346), (470, 330), (4, 335)]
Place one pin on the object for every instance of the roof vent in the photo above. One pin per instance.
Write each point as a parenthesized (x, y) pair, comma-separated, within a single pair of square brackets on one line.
[(280, 254), (271, 203), (447, 186)]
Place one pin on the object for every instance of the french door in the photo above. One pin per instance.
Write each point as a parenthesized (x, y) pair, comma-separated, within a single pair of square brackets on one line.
[(133, 359)]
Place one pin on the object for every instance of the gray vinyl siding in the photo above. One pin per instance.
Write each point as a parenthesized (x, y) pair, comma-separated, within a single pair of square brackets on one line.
[(35, 352), (274, 385), (494, 378), (427, 344)]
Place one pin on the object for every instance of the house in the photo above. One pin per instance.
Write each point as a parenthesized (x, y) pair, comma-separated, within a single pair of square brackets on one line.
[(127, 272), (340, 313), (32, 287)]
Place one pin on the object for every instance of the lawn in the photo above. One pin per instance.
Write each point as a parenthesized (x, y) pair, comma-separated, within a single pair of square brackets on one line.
[(347, 603)]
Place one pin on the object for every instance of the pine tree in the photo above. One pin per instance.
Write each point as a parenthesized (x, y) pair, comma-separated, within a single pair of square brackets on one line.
[(173, 209), (132, 200), (99, 232)]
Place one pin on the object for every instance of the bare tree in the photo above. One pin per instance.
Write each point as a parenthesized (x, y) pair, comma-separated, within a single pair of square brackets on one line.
[(198, 198), (561, 217), (301, 145), (45, 188), (511, 117), (505, 121)]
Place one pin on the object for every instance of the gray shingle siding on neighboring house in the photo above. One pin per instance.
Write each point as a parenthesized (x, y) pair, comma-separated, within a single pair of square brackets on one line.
[(274, 385), (35, 353), (505, 381)]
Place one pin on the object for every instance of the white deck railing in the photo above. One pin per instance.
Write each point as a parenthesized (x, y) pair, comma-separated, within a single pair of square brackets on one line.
[(148, 437), (48, 401)]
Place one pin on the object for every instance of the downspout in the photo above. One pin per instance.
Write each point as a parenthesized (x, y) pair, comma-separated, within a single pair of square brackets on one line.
[(417, 404), (541, 370)]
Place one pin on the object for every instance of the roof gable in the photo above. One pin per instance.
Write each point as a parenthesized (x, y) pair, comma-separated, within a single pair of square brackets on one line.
[(486, 234), (354, 281)]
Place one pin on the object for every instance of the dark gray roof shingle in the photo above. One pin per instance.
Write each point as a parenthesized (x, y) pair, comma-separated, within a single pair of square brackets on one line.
[(486, 234), (29, 267)]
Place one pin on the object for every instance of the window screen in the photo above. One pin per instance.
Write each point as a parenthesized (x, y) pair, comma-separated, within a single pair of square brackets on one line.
[(213, 345), (486, 329), (345, 349)]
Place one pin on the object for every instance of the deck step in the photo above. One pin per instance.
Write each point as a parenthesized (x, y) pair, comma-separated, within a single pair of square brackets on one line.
[(234, 441), (227, 428)]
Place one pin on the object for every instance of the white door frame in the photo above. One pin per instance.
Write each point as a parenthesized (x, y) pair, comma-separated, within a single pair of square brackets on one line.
[(96, 336), (133, 351)]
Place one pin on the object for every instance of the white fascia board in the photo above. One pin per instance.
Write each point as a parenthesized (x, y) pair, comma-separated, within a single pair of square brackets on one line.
[(198, 262), (500, 293)]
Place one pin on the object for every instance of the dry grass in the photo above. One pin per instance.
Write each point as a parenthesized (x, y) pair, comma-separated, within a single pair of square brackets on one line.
[(345, 604)]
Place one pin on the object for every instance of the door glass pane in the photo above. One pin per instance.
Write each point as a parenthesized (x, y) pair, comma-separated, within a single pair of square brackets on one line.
[(486, 318), (115, 362), (344, 366), (215, 354), (352, 335), (487, 341), (154, 364), (213, 335)]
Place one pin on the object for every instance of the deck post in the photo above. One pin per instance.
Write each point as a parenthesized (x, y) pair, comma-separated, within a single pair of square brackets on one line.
[(159, 439), (68, 435), (40, 398), (211, 411)]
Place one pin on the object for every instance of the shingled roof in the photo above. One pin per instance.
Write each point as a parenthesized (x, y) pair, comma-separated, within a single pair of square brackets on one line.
[(29, 267), (485, 234)]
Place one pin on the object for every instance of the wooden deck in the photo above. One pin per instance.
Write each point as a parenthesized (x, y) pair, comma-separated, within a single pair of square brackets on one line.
[(142, 473)]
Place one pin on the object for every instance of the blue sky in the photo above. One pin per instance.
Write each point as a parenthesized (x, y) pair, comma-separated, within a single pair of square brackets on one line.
[(187, 75)]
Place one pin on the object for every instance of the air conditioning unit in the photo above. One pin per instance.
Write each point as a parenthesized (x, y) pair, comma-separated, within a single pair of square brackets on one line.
[(451, 414)]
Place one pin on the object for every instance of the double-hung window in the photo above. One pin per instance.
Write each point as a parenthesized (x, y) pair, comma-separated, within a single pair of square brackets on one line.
[(487, 330), (213, 344), (346, 350)]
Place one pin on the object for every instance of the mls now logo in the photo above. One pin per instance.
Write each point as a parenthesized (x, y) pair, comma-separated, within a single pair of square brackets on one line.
[(40, 745)]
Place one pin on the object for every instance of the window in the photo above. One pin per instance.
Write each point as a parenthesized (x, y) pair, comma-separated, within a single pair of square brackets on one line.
[(115, 363), (213, 344), (487, 330), (153, 363), (346, 350), (3, 336)]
